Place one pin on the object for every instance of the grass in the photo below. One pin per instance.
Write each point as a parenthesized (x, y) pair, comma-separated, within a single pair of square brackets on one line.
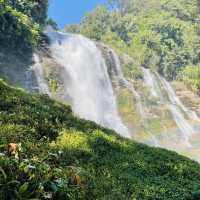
[(64, 157)]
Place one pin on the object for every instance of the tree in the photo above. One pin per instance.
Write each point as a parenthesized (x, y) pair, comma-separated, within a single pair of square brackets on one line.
[(96, 23), (120, 5), (73, 28), (52, 23), (21, 22)]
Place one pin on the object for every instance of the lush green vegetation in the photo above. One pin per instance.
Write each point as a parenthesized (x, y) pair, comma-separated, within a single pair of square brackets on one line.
[(163, 35), (64, 157), (21, 22), (190, 75)]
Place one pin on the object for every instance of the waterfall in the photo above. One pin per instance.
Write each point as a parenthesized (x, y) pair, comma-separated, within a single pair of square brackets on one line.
[(174, 106), (86, 80), (175, 100), (121, 80), (38, 69), (150, 82), (118, 74)]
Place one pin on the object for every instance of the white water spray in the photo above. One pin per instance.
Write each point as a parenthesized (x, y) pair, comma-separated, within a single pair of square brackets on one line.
[(38, 69), (150, 82), (185, 128), (175, 100), (174, 103), (86, 81), (120, 78)]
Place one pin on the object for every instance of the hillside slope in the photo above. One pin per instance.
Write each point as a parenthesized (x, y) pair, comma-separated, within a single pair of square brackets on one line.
[(64, 157)]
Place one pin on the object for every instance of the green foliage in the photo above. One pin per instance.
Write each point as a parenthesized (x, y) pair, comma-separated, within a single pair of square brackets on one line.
[(95, 23), (159, 34), (20, 23), (52, 23), (40, 115), (73, 28), (133, 71), (190, 75), (64, 157), (35, 9)]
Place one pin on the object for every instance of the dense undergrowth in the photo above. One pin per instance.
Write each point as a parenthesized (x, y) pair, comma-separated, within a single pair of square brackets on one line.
[(64, 157)]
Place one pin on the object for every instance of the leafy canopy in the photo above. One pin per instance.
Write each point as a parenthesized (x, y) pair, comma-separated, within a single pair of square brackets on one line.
[(21, 22)]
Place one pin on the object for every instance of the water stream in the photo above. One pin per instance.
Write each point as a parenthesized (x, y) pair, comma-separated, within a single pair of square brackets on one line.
[(121, 79), (174, 104), (38, 70), (86, 79), (129, 85)]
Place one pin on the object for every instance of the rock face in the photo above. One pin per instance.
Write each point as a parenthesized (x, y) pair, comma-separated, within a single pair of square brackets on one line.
[(21, 71), (17, 70), (110, 60)]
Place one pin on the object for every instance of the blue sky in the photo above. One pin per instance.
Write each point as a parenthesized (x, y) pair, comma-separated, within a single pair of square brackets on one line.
[(70, 11)]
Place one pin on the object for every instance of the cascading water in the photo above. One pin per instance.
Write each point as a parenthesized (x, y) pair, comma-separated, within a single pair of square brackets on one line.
[(38, 69), (175, 100), (120, 79), (118, 74), (151, 82), (86, 80), (174, 104)]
